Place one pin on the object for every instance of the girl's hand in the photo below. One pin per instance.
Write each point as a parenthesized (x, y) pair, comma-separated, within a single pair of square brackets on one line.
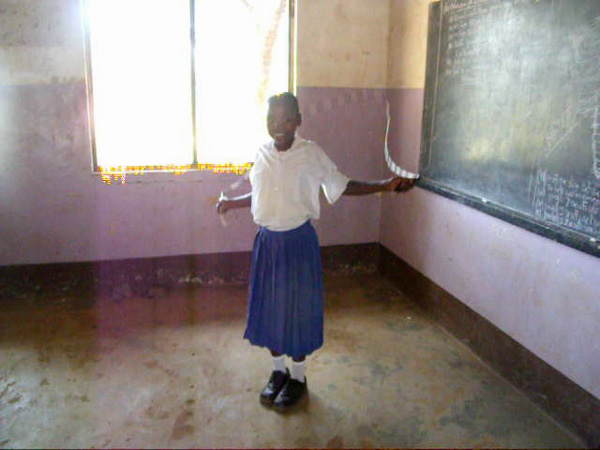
[(223, 204), (399, 184)]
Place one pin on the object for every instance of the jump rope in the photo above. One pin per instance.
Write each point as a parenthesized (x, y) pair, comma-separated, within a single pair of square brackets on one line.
[(394, 168)]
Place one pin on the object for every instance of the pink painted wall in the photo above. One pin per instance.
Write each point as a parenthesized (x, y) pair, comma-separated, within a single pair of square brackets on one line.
[(349, 123)]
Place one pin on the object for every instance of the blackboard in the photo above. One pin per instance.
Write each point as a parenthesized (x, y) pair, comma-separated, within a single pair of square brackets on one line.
[(511, 120)]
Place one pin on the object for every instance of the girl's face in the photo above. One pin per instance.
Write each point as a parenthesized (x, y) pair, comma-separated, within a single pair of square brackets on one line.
[(282, 122)]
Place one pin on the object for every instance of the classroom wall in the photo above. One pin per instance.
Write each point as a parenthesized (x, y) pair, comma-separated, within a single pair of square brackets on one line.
[(53, 209), (543, 294)]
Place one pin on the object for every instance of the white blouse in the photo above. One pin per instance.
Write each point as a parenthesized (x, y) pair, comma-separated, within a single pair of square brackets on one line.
[(285, 185)]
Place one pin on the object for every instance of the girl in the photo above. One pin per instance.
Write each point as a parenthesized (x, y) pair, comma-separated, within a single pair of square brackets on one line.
[(285, 310)]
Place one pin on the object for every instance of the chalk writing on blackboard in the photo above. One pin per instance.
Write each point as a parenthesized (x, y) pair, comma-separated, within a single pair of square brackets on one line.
[(593, 71), (572, 203)]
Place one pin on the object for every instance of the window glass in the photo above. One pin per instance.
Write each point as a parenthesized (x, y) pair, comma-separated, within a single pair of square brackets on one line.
[(145, 95), (142, 90)]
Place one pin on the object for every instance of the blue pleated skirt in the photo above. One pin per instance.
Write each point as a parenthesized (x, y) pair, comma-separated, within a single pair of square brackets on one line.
[(285, 308)]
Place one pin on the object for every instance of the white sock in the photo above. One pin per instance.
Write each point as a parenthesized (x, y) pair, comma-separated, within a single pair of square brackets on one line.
[(279, 363), (297, 371)]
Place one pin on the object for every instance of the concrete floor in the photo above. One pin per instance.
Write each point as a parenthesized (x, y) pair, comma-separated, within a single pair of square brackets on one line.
[(173, 371)]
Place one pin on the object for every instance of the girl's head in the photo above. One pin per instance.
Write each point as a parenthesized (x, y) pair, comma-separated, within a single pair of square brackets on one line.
[(282, 119)]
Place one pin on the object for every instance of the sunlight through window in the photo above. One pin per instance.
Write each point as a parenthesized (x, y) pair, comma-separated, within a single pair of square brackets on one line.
[(241, 59), (141, 73), (144, 93)]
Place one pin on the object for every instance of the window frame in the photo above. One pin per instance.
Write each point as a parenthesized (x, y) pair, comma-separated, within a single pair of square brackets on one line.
[(196, 165)]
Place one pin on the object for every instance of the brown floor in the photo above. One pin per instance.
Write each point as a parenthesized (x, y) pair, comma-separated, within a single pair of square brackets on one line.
[(173, 371)]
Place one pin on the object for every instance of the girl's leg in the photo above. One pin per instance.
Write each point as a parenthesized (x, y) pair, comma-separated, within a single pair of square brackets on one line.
[(298, 367), (278, 362), (296, 387), (277, 380), (282, 390)]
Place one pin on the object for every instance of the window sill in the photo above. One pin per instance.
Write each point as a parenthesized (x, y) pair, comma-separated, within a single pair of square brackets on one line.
[(168, 175)]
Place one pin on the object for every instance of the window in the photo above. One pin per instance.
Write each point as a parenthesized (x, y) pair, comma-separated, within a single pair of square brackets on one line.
[(183, 83)]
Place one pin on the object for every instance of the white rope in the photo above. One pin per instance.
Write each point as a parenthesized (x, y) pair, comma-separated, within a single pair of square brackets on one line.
[(395, 168)]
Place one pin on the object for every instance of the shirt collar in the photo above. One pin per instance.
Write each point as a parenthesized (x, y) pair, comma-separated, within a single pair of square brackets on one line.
[(295, 145)]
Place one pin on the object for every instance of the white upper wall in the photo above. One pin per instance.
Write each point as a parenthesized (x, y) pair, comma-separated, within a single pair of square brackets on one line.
[(407, 44), (343, 43)]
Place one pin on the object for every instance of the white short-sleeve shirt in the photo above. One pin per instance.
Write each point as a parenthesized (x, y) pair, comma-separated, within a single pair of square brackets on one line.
[(285, 185)]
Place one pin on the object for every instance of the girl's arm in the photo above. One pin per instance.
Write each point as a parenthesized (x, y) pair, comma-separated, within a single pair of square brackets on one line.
[(225, 204), (397, 184)]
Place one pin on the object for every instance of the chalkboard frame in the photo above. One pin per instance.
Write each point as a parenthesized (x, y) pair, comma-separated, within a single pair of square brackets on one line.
[(562, 235)]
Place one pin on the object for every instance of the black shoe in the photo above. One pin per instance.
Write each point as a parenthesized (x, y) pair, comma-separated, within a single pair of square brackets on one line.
[(292, 393), (276, 383)]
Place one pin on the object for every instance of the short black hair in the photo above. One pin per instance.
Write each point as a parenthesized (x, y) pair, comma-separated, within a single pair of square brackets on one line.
[(286, 98)]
